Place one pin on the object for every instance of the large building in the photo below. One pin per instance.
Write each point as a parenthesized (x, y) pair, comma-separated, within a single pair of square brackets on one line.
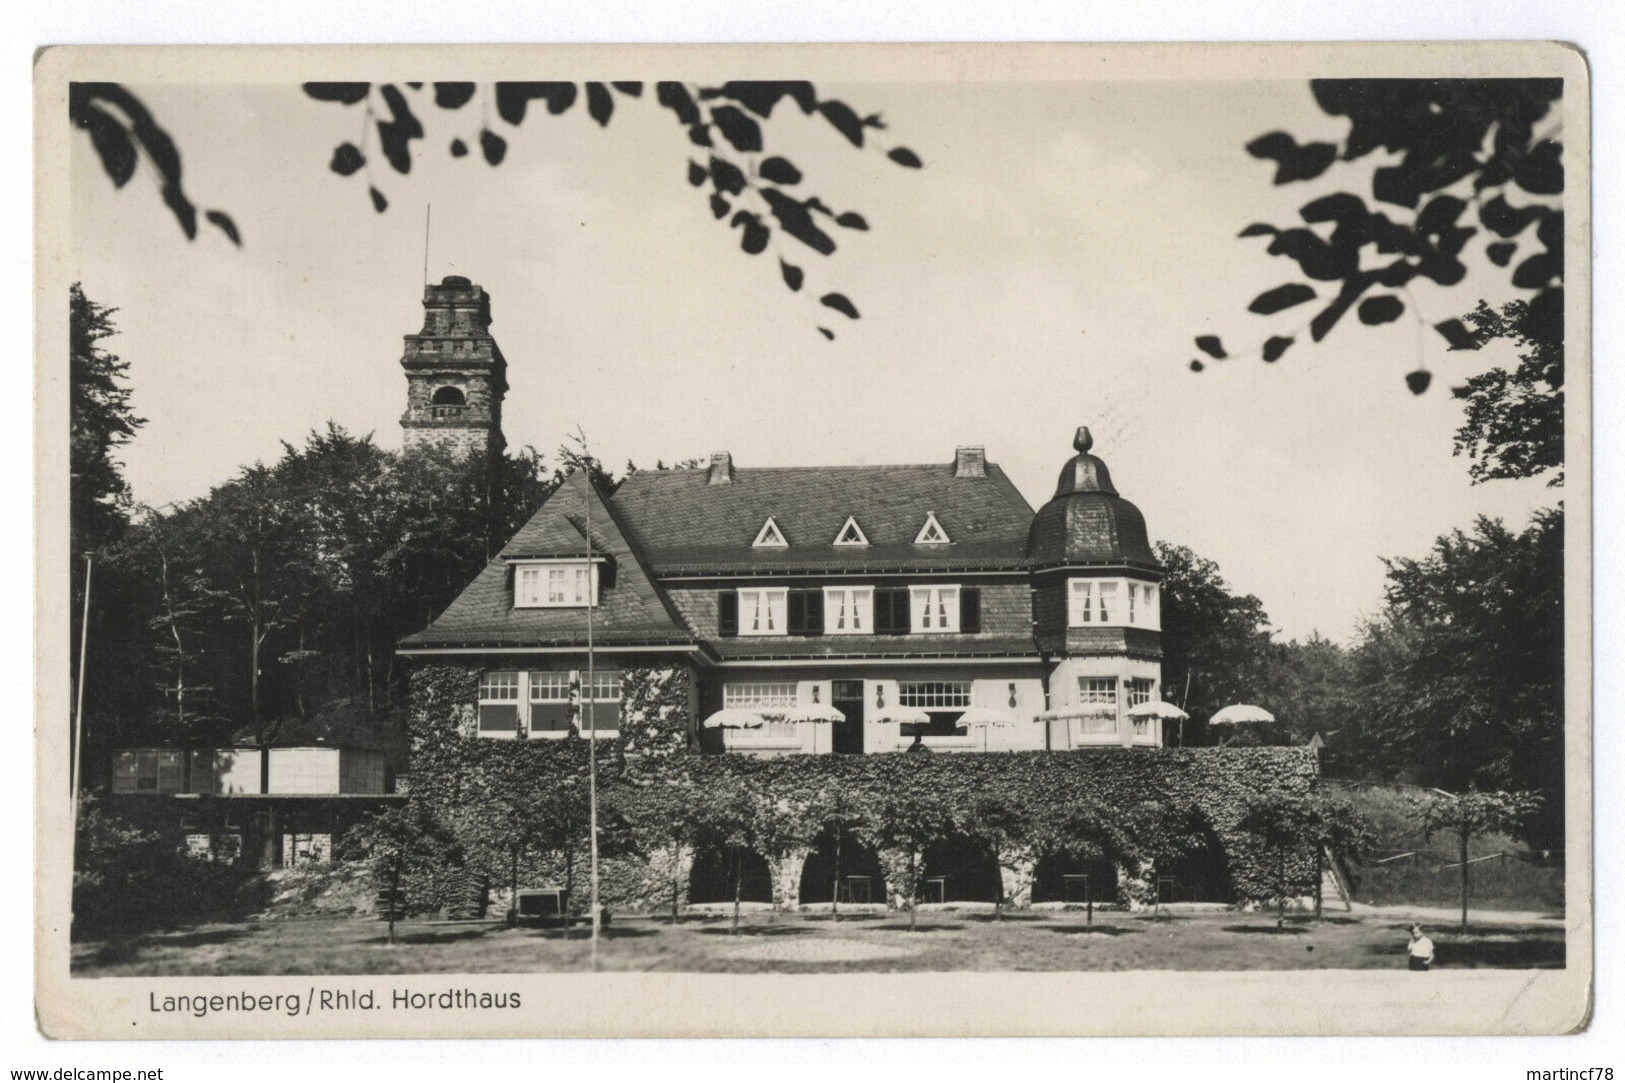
[(928, 604)]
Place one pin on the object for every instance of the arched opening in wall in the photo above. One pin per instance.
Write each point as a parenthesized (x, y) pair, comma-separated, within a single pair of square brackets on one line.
[(855, 870), (449, 396), (960, 870), (712, 878), (1200, 875), (1066, 878)]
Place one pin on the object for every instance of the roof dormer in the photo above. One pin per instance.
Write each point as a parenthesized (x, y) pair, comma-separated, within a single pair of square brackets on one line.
[(931, 533), (851, 533), (770, 536)]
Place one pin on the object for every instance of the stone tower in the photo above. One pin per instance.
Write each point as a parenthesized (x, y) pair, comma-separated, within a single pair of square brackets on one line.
[(455, 373)]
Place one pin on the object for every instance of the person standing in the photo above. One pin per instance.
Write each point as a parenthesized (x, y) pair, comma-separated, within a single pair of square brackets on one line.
[(1421, 949)]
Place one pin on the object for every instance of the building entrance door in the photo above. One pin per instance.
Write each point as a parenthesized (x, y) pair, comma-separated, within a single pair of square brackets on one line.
[(847, 697)]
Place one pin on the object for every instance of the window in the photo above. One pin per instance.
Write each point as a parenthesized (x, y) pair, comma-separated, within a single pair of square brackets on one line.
[(1117, 602), (851, 533), (755, 695), (555, 585), (499, 703), (770, 536), (449, 396), (1139, 691), (931, 533), (935, 609), (849, 611), (603, 692), (550, 701), (1098, 690), (944, 701), (762, 612), (147, 770)]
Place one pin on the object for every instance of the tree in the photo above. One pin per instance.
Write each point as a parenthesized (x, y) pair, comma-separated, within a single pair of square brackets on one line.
[(1490, 145), (726, 822), (1004, 824), (100, 421), (398, 844), (1214, 642), (1474, 813), (1340, 830), (1285, 824), (1163, 830), (1460, 681), (1514, 424), (1088, 832), (723, 123), (838, 812), (901, 826)]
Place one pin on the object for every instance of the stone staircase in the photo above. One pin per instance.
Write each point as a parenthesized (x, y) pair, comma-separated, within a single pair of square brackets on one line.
[(1333, 892)]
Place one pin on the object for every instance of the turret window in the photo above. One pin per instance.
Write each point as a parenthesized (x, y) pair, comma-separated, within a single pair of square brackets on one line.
[(1118, 603)]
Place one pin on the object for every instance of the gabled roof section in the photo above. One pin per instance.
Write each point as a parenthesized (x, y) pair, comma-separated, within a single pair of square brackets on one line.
[(770, 536), (931, 533), (681, 525), (632, 610), (851, 533)]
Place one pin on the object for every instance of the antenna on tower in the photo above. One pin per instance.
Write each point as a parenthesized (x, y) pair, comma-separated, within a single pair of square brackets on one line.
[(427, 208)]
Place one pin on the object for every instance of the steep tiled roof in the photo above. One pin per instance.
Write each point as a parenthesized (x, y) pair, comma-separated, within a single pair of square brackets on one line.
[(684, 524), (633, 611)]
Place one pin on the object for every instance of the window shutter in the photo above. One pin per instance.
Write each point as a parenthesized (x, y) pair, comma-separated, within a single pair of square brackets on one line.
[(891, 611), (796, 613), (606, 574), (727, 613), (815, 612), (970, 609)]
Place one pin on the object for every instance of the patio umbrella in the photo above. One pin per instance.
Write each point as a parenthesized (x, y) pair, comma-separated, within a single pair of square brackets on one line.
[(1162, 711), (1240, 712), (1080, 710), (734, 718), (907, 716), (813, 712)]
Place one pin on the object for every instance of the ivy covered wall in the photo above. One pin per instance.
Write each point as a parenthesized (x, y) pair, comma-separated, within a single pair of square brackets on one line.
[(457, 773)]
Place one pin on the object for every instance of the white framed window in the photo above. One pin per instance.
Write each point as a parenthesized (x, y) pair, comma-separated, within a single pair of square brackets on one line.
[(753, 695), (770, 536), (603, 694), (849, 611), (1140, 690), (499, 703), (1115, 602), (555, 585), (934, 695), (931, 533), (762, 612), (851, 533), (934, 609), (1098, 690)]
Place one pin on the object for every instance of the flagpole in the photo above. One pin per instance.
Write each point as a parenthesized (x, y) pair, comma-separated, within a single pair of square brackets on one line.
[(592, 694), (79, 697)]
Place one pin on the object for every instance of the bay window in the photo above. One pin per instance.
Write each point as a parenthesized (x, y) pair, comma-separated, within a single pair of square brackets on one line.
[(1120, 603)]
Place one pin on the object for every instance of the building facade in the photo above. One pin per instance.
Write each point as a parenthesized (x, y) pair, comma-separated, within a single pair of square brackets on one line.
[(929, 605)]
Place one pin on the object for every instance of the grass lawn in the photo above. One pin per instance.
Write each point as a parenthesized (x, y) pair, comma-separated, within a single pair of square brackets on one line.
[(808, 944)]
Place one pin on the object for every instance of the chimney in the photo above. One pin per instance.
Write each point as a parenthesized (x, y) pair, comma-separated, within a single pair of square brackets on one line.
[(970, 462), (722, 469)]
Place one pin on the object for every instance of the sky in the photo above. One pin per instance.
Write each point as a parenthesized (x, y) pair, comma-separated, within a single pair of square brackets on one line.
[(1048, 268)]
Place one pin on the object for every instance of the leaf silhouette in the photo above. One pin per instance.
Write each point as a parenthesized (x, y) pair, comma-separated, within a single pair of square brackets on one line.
[(737, 128), (700, 135), (1275, 347), (675, 96), (343, 93), (1384, 309), (379, 203), (1456, 333), (1292, 161), (904, 156), (840, 304), (514, 98), (797, 222), (696, 173), (453, 95), (827, 333), (347, 158), (1501, 253), (493, 146), (756, 235), (1418, 381), (631, 90), (396, 134), (719, 206), (727, 177), (1210, 345), (160, 148), (852, 220), (792, 275), (779, 171), (1258, 229), (844, 120), (223, 222), (1197, 366), (1280, 298), (459, 149), (599, 104), (761, 96), (112, 143)]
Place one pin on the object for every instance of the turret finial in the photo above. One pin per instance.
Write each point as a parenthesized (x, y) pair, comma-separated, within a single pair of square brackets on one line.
[(1083, 441)]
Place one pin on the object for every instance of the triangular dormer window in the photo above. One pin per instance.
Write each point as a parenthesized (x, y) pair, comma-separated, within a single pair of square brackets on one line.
[(931, 533), (770, 536), (851, 533)]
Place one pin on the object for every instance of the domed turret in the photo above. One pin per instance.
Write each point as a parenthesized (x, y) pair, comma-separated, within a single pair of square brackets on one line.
[(1086, 522)]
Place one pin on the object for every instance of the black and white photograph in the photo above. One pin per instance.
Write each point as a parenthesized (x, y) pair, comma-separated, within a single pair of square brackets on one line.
[(522, 529)]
